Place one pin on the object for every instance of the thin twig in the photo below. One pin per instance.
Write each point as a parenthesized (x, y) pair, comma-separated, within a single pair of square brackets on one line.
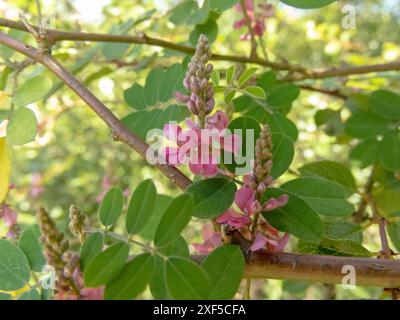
[(297, 72)]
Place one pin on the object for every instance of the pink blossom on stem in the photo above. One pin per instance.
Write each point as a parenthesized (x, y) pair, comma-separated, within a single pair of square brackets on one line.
[(211, 240), (234, 219)]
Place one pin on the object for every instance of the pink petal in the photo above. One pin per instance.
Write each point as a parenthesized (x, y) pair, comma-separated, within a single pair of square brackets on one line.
[(172, 131), (210, 170), (181, 98), (244, 198), (218, 121), (9, 216), (259, 242), (234, 219), (239, 24), (282, 243)]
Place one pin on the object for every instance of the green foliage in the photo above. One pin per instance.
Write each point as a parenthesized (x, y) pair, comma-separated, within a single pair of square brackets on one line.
[(283, 95), (394, 233), (222, 5), (333, 171), (308, 4), (92, 246), (32, 90), (390, 150), (162, 203), (365, 152), (225, 267), (106, 265), (22, 127), (14, 267), (132, 279), (296, 217), (159, 87), (30, 245), (174, 220), (186, 279), (366, 125), (282, 154), (334, 247), (141, 206), (325, 197), (385, 104), (111, 207), (211, 197)]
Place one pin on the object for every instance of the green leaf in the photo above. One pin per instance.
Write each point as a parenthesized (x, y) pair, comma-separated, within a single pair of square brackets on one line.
[(308, 4), (330, 121), (390, 150), (296, 217), (186, 280), (222, 5), (278, 123), (267, 81), (333, 171), (366, 125), (325, 197), (343, 229), (30, 245), (385, 104), (115, 51), (282, 154), (246, 76), (174, 220), (394, 234), (32, 90), (183, 11), (141, 122), (92, 246), (212, 197), (365, 153), (249, 130), (224, 266), (141, 206), (255, 92), (111, 207), (160, 86), (335, 247), (106, 265), (14, 267), (132, 279), (229, 95), (158, 286), (209, 28), (215, 77), (283, 95), (387, 199), (22, 127), (230, 74), (162, 202)]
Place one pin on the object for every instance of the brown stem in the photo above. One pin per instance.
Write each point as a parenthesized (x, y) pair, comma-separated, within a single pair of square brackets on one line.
[(358, 215), (301, 72), (117, 128), (324, 269)]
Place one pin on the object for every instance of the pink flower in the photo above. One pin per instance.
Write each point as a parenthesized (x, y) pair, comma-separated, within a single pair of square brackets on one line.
[(274, 244), (200, 148), (211, 240), (9, 215), (244, 199), (37, 185), (257, 18), (273, 203), (234, 219)]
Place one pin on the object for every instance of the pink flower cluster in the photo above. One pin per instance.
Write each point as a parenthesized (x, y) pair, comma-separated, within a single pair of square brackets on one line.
[(85, 293), (9, 217), (200, 148), (245, 199), (257, 17)]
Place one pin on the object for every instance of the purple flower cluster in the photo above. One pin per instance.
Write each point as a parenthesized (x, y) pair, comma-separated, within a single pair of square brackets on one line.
[(197, 80)]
